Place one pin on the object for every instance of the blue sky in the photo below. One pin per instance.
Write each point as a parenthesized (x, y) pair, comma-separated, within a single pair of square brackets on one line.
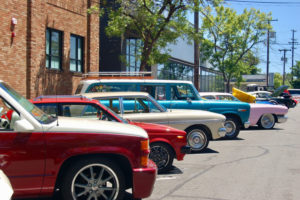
[(288, 16)]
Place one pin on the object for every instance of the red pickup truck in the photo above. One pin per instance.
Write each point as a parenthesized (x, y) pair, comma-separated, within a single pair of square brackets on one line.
[(81, 158)]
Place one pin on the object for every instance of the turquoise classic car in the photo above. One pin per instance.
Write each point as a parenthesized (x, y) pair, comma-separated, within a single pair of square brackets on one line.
[(174, 94)]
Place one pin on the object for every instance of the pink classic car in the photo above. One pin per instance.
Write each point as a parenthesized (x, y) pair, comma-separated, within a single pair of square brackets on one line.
[(263, 115)]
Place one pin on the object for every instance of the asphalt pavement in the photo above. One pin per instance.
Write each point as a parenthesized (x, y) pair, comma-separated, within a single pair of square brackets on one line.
[(258, 165)]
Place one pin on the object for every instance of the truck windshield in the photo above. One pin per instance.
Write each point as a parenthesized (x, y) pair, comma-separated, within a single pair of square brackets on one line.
[(32, 109)]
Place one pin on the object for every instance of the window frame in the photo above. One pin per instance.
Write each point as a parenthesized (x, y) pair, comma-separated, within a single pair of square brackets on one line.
[(77, 37), (60, 46)]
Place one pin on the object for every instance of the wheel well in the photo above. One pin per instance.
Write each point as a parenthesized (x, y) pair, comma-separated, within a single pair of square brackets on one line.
[(202, 127), (173, 151), (275, 117), (234, 116), (118, 159)]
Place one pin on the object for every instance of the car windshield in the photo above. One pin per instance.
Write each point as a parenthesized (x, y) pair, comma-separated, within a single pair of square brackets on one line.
[(115, 114), (37, 113)]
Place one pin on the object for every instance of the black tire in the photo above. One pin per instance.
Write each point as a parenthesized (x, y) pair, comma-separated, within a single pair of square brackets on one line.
[(266, 121), (233, 127), (162, 155), (197, 138), (78, 183)]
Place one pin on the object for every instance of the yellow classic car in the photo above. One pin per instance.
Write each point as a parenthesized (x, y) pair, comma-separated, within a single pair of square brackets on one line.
[(200, 126)]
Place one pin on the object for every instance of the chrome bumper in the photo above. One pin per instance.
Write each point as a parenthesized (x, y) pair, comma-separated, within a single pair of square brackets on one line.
[(246, 124), (281, 119), (222, 132)]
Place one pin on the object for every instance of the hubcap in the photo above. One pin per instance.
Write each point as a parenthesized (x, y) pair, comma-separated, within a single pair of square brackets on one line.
[(230, 128), (160, 156), (196, 139), (95, 181), (267, 121)]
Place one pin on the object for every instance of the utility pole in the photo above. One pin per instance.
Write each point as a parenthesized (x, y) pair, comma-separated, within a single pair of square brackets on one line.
[(196, 47), (268, 50), (284, 61), (293, 43)]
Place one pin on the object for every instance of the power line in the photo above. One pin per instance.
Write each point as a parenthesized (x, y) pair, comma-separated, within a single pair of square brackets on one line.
[(266, 2)]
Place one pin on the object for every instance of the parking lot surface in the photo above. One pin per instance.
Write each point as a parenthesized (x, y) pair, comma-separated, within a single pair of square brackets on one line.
[(259, 165)]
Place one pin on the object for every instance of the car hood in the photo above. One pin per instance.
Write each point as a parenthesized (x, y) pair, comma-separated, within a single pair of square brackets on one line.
[(269, 108), (194, 114), (81, 125), (157, 128)]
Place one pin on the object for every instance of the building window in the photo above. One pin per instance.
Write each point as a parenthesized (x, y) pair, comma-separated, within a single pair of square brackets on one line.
[(76, 53), (175, 71), (132, 55), (53, 49)]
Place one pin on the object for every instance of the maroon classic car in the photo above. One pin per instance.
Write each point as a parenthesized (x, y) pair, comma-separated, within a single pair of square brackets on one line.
[(166, 143), (83, 159)]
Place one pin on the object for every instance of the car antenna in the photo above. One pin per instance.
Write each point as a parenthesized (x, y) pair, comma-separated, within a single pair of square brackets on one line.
[(57, 124)]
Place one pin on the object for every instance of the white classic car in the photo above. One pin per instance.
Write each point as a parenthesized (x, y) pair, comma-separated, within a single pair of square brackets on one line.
[(263, 115), (201, 126)]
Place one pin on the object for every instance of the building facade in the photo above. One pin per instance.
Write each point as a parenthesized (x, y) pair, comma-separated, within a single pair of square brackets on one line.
[(46, 45)]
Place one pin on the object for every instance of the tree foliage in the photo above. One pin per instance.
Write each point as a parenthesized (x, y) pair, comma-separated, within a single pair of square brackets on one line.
[(156, 23), (296, 75), (228, 37)]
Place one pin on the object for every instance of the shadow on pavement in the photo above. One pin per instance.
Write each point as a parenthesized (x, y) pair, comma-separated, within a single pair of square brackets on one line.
[(207, 150)]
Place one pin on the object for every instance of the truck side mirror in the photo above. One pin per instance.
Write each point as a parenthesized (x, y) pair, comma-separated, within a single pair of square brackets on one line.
[(189, 100), (23, 126)]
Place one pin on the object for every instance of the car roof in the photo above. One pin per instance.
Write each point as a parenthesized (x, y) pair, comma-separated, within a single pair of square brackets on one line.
[(89, 81), (215, 93), (115, 94), (61, 98)]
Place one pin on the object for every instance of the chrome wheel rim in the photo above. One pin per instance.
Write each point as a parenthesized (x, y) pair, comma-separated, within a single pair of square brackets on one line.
[(95, 181), (267, 121), (196, 139), (230, 128), (160, 156)]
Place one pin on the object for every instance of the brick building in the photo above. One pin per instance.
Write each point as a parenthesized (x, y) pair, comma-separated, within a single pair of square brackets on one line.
[(46, 45)]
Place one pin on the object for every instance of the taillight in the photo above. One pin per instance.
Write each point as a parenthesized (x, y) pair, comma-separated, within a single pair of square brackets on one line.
[(145, 149)]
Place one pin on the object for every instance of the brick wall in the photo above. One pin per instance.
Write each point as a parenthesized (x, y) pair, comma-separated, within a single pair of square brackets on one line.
[(22, 60)]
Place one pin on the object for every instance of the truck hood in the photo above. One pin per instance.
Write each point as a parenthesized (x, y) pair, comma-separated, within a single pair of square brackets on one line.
[(81, 125)]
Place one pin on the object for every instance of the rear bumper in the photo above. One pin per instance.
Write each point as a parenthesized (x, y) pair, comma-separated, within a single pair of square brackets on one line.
[(222, 132), (247, 124), (281, 119), (143, 180)]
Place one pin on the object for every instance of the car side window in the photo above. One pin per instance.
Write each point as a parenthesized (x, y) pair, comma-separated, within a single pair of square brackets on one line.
[(112, 103), (8, 116), (134, 105), (209, 97), (49, 108), (182, 92), (111, 87)]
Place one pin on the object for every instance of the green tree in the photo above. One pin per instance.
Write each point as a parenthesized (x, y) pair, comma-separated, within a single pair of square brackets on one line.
[(277, 80), (156, 23), (228, 37), (295, 75)]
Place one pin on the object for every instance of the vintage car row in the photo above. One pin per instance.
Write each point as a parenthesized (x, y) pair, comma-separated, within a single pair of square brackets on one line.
[(166, 143), (200, 126), (174, 94), (263, 115), (83, 159)]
